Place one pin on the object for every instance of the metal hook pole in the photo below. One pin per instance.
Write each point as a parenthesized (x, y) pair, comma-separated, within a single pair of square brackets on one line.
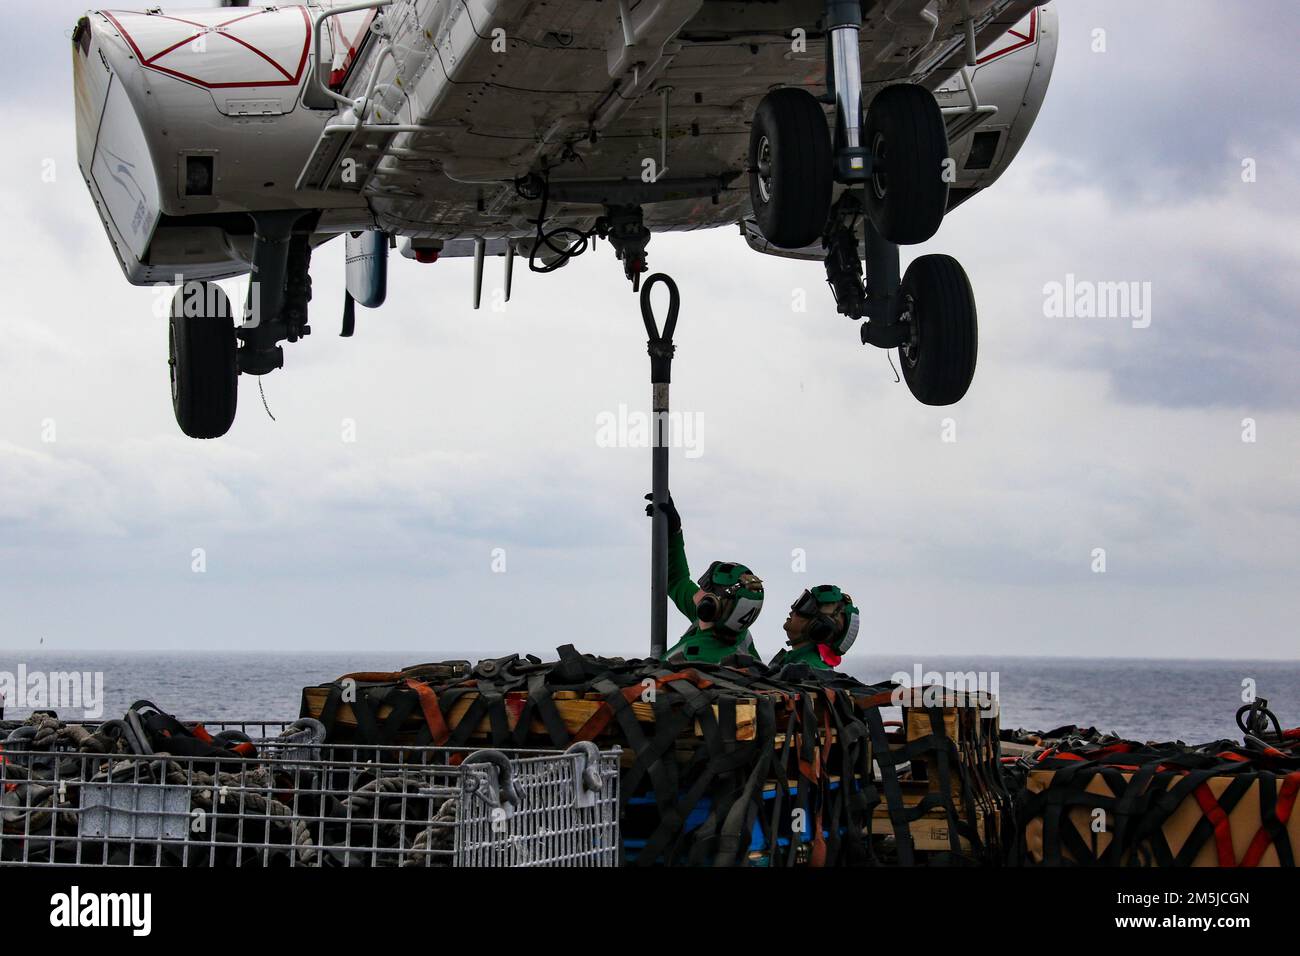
[(661, 349)]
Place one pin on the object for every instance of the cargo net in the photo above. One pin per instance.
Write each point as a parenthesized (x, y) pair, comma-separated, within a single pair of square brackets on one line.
[(151, 791), (1084, 798), (722, 764)]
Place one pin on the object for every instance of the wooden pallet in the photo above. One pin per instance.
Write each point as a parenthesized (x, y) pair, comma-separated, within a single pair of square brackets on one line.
[(929, 833)]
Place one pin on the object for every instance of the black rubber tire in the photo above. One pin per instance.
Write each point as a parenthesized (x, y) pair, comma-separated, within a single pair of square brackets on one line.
[(907, 193), (201, 354), (939, 368), (791, 198)]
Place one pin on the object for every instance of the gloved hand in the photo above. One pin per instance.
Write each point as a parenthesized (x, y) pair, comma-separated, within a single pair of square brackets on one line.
[(669, 509)]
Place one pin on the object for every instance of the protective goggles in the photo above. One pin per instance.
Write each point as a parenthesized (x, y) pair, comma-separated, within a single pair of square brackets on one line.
[(809, 603)]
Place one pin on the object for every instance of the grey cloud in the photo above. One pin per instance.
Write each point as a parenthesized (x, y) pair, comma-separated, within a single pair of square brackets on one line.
[(1186, 89)]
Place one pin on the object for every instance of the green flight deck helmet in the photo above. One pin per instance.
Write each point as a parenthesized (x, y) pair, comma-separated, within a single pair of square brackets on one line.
[(733, 597), (833, 623)]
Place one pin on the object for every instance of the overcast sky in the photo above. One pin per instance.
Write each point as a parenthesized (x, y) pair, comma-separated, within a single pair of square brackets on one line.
[(477, 431)]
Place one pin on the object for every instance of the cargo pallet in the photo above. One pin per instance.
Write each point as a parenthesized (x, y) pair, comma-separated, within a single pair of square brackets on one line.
[(945, 756)]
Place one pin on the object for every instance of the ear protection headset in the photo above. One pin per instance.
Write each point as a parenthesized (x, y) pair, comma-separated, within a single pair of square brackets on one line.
[(709, 609), (822, 627)]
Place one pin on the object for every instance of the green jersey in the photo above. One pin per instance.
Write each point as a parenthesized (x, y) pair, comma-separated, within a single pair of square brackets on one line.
[(698, 644), (817, 656)]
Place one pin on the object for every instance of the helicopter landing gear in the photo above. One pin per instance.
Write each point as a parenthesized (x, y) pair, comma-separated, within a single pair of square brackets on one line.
[(201, 360), (907, 192), (929, 314), (939, 359), (207, 350), (278, 293), (790, 172)]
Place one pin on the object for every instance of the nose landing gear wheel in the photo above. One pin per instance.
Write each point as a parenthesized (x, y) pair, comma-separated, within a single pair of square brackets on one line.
[(907, 193), (939, 362), (791, 171), (201, 355)]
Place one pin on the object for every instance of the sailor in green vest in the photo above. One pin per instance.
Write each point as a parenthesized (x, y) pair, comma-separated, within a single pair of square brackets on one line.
[(721, 606), (822, 626)]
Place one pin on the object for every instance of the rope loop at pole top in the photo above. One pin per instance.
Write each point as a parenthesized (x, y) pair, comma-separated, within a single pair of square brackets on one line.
[(648, 312)]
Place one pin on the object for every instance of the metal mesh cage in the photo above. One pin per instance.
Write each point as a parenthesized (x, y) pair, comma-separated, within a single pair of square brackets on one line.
[(300, 803)]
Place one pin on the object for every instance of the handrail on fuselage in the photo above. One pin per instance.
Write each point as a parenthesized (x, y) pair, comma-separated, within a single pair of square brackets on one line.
[(321, 86)]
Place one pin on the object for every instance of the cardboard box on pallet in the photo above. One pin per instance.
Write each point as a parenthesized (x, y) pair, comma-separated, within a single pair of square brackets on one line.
[(970, 721), (1229, 838)]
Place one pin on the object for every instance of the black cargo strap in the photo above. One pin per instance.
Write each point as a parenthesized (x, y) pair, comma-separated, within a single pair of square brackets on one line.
[(670, 723), (369, 698), (782, 795), (849, 805), (887, 760), (1270, 821), (542, 704), (733, 842), (939, 744)]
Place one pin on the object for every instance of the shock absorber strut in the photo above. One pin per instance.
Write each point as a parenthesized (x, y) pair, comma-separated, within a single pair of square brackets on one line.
[(844, 82)]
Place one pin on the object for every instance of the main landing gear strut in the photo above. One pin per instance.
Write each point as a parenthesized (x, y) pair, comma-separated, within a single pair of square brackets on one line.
[(892, 160), (207, 351)]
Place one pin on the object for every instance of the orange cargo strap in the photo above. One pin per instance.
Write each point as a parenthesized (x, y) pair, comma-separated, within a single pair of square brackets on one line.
[(818, 858), (438, 729), (1285, 804), (598, 721), (1065, 755)]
